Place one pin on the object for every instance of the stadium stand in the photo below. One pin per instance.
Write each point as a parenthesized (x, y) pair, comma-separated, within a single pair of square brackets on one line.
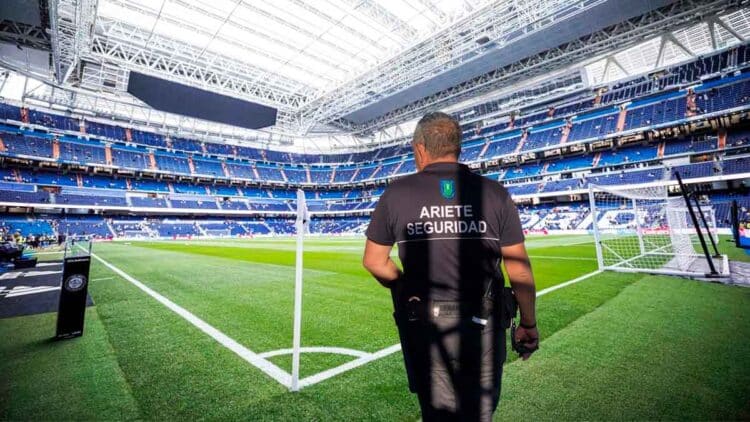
[(532, 153)]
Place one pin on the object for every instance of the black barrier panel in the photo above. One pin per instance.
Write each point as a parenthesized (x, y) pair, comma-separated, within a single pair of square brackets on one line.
[(181, 99), (73, 293)]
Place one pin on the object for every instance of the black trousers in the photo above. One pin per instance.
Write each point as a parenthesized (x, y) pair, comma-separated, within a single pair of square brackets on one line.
[(454, 366)]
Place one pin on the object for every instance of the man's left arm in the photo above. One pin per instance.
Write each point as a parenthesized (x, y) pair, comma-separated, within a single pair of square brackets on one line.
[(377, 260), (518, 267)]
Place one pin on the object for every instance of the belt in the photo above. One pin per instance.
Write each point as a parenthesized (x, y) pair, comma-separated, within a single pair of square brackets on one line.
[(444, 308), (418, 310), (504, 308)]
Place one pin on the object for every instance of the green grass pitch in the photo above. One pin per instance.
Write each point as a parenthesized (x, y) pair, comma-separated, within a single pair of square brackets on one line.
[(615, 346)]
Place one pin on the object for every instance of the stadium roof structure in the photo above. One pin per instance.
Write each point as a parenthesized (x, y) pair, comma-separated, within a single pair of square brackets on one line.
[(344, 68)]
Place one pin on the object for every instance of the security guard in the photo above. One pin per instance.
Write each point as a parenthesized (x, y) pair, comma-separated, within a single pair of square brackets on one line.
[(453, 228)]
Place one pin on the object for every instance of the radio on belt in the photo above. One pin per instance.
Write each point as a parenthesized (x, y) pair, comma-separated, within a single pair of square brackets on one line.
[(74, 289)]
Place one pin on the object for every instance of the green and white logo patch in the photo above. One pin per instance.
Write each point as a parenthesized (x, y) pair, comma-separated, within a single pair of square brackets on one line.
[(448, 188)]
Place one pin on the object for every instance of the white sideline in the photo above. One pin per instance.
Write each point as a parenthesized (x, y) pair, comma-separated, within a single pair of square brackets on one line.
[(251, 357), (567, 283)]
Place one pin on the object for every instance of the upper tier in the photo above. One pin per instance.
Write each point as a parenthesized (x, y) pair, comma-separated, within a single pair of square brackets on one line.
[(584, 115), (635, 116), (666, 109)]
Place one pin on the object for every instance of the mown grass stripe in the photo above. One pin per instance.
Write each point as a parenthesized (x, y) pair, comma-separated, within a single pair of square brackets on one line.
[(251, 357)]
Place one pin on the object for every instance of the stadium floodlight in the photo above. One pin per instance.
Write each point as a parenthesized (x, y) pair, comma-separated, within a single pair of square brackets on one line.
[(642, 229), (301, 225)]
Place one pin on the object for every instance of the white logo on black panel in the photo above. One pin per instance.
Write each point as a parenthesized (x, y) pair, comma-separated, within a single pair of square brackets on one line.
[(75, 282)]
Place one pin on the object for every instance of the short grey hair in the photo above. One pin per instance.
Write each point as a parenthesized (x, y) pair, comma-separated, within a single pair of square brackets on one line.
[(440, 134)]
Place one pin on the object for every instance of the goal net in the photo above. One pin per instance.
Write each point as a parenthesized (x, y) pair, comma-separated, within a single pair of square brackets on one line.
[(642, 229)]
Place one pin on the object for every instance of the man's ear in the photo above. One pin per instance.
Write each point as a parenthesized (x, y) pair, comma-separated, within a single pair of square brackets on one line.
[(417, 157), (420, 155)]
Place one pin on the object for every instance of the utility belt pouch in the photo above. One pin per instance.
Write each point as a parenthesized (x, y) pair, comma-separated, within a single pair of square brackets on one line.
[(412, 311), (404, 328), (415, 310), (509, 306), (497, 301)]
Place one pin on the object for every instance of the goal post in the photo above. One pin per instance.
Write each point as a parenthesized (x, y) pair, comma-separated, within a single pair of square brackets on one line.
[(642, 229), (708, 223)]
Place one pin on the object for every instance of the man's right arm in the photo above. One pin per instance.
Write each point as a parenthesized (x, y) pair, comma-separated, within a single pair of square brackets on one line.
[(377, 260), (380, 239)]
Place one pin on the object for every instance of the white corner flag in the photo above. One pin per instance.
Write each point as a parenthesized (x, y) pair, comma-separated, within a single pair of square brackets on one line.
[(301, 224), (303, 216)]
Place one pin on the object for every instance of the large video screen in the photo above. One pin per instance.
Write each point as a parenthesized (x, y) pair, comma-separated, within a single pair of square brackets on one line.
[(173, 97)]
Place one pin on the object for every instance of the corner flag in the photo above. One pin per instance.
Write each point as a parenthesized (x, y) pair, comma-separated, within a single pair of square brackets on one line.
[(302, 224), (303, 217)]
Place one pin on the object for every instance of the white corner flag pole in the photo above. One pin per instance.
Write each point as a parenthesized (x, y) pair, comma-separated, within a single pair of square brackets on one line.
[(303, 220)]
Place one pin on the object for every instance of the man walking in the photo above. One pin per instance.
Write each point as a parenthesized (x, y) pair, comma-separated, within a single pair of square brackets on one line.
[(452, 228)]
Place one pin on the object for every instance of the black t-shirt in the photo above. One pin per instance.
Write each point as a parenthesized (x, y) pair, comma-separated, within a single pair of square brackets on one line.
[(449, 224)]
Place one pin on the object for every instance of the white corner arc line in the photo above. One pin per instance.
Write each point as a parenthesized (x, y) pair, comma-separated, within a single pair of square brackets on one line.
[(314, 379), (332, 350), (321, 376), (248, 355)]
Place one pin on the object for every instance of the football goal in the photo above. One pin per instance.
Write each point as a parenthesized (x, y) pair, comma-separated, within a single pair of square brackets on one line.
[(643, 229)]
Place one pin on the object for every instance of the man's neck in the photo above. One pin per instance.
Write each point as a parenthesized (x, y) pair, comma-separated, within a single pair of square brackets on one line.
[(442, 160)]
